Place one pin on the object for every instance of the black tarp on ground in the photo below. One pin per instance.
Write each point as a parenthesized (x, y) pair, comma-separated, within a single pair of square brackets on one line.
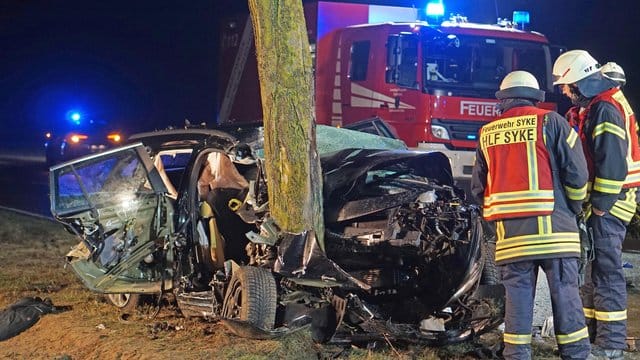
[(24, 314)]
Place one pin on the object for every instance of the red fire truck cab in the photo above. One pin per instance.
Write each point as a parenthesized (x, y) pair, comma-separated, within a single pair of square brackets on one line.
[(434, 84)]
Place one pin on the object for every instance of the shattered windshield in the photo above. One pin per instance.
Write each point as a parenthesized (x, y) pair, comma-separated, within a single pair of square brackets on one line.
[(106, 180), (481, 62)]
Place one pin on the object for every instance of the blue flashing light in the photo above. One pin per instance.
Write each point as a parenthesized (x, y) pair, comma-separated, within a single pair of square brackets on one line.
[(435, 8), (471, 137), (521, 18), (74, 116)]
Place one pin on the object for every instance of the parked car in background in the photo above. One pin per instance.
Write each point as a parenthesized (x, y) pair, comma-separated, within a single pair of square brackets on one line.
[(185, 213), (82, 139)]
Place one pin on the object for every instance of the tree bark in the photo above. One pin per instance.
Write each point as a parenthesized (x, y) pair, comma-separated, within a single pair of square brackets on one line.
[(293, 169)]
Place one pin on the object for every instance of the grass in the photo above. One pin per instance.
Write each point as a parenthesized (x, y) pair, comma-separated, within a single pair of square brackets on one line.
[(32, 257), (32, 254)]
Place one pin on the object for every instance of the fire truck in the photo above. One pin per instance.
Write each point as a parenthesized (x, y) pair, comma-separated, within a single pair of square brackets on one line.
[(434, 84)]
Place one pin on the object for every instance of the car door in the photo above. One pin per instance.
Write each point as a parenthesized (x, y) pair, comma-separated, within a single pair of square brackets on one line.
[(117, 204)]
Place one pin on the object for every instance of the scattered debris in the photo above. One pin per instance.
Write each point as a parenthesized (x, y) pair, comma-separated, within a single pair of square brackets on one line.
[(24, 314), (632, 344), (547, 328)]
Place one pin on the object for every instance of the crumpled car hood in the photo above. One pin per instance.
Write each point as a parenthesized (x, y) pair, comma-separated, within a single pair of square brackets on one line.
[(343, 169)]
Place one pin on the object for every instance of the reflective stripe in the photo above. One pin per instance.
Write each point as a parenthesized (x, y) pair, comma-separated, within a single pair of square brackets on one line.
[(533, 209), (534, 184), (634, 166), (619, 97), (512, 196), (525, 240), (571, 139), (611, 315), (621, 214), (589, 313), (544, 224), (542, 207), (607, 186), (625, 209), (576, 194), (610, 128), (541, 224), (573, 337), (633, 177), (500, 230), (517, 339), (531, 250)]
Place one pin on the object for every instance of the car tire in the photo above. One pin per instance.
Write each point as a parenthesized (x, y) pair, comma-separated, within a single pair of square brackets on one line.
[(490, 274), (125, 302), (251, 296)]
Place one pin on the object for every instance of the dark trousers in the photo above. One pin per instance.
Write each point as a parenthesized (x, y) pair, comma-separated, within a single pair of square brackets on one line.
[(604, 294), (519, 280)]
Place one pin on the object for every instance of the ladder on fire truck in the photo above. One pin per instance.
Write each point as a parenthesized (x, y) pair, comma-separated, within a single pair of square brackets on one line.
[(236, 72)]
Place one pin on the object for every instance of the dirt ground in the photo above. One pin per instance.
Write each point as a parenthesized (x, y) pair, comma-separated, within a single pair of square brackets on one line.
[(32, 257)]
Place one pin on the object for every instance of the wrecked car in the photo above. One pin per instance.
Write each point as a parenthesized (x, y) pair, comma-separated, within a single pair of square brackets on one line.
[(184, 213)]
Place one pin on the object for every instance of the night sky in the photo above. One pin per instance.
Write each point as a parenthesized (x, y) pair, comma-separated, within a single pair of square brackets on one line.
[(149, 64)]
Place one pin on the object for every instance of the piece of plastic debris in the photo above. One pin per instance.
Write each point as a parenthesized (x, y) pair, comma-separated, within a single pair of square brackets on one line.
[(547, 327), (432, 324)]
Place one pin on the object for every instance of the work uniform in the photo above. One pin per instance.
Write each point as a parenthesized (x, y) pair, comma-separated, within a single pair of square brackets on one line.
[(530, 175), (609, 136)]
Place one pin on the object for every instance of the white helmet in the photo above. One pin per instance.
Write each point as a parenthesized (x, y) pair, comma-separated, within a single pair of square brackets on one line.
[(243, 155), (613, 71), (520, 84), (573, 66)]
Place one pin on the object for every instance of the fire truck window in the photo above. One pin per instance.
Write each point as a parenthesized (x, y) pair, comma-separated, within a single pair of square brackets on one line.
[(489, 65), (533, 61), (475, 64), (408, 68), (447, 63), (359, 60)]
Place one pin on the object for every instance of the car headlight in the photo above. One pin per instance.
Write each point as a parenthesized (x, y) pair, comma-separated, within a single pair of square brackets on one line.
[(440, 132)]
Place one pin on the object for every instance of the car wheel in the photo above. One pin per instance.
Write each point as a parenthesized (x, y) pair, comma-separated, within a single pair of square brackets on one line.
[(489, 270), (125, 302), (251, 296)]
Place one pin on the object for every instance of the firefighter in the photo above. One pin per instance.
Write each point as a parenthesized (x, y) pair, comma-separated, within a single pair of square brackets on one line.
[(530, 177), (575, 114), (608, 133), (613, 71)]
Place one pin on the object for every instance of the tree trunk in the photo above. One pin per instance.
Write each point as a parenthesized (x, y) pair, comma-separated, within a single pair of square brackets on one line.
[(293, 170)]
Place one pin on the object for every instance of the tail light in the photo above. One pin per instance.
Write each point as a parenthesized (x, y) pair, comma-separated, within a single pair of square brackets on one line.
[(115, 137), (76, 138)]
